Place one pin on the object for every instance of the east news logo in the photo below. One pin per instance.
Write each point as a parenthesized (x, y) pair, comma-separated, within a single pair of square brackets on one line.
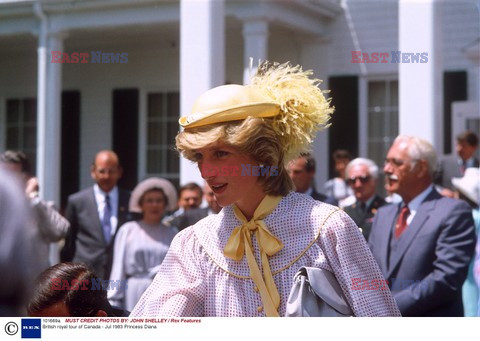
[(31, 328)]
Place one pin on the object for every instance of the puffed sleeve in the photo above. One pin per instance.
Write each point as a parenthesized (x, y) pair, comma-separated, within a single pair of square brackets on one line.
[(179, 287), (355, 268), (116, 295)]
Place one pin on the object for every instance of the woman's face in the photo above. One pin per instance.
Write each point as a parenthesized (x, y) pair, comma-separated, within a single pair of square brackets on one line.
[(153, 206), (231, 175)]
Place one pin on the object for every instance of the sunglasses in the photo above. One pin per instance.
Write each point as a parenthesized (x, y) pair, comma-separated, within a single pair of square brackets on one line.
[(363, 179)]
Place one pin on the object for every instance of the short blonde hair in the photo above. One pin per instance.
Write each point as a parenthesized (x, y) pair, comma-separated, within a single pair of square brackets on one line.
[(252, 136)]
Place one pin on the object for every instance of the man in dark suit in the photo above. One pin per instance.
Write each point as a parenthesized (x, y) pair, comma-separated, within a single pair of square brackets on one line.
[(95, 215), (454, 166), (424, 244), (189, 198), (192, 216), (302, 172), (362, 175)]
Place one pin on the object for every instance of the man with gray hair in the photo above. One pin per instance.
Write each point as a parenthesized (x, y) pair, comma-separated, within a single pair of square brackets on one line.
[(424, 244), (361, 176)]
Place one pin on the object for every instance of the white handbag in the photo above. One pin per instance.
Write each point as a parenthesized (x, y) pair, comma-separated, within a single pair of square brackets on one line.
[(316, 292)]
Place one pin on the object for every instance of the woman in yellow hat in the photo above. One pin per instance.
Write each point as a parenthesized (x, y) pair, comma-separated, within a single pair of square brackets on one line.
[(241, 262)]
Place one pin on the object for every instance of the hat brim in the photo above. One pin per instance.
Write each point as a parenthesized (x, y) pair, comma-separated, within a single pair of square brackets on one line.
[(467, 189), (151, 183), (231, 114)]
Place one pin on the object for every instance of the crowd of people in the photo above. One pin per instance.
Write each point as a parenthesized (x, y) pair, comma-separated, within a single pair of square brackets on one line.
[(159, 252)]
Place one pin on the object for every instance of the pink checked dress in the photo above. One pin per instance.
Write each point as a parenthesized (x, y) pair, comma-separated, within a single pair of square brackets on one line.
[(196, 279)]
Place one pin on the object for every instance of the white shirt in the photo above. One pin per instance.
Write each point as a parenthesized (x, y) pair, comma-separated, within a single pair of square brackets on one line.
[(415, 203), (100, 200)]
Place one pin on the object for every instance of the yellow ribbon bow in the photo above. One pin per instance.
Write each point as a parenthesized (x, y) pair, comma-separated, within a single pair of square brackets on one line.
[(268, 244)]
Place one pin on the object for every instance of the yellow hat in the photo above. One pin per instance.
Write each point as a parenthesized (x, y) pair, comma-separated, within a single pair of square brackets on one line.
[(280, 91), (228, 103)]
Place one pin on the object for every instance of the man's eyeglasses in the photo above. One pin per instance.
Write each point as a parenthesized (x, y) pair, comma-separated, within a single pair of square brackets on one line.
[(363, 179)]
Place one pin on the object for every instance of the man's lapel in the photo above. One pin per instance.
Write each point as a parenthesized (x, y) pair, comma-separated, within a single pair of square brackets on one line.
[(421, 217), (386, 224), (95, 219)]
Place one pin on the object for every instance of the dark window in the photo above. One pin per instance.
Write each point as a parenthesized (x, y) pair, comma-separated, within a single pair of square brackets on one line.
[(454, 89), (125, 134), (70, 170), (343, 133)]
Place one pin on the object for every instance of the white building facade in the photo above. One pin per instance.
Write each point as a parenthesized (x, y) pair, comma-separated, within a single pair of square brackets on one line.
[(148, 61)]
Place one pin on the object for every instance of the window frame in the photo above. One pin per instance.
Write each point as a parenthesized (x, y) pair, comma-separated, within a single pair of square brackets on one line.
[(143, 135), (364, 137)]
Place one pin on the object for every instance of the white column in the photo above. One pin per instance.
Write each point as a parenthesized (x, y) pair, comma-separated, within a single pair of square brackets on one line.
[(255, 35), (421, 91), (53, 133), (202, 60), (50, 188), (362, 116), (314, 56), (49, 119), (42, 66)]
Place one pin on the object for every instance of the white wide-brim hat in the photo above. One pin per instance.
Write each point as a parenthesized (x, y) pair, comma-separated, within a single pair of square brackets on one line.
[(149, 184), (469, 184)]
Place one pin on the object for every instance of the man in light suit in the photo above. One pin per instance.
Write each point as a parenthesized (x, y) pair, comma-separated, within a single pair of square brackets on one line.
[(302, 172), (424, 244), (95, 215)]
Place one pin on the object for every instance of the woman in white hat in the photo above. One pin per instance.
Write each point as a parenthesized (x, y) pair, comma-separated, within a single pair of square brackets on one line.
[(468, 188), (140, 246), (241, 262)]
